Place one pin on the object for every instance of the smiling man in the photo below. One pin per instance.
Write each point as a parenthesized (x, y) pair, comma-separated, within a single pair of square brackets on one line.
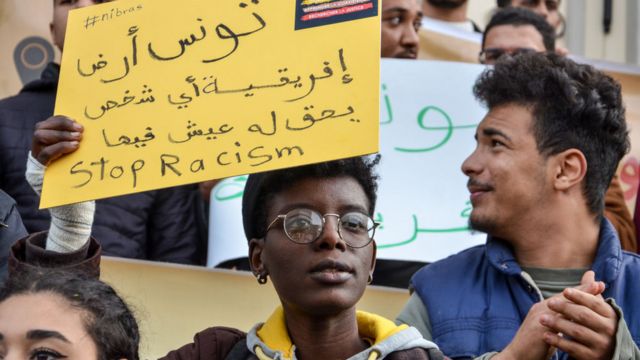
[(401, 20), (546, 152)]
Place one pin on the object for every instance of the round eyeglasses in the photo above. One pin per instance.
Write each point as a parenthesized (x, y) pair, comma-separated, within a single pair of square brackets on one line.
[(304, 226)]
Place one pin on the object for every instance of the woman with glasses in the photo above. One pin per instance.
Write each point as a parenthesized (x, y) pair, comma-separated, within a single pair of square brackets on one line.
[(311, 233)]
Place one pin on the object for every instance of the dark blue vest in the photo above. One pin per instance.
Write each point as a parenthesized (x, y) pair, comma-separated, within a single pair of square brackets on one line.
[(477, 299)]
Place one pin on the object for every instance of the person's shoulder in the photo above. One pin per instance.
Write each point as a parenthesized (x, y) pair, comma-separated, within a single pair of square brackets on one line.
[(463, 257), (6, 201), (631, 260), (35, 89), (212, 343), (457, 266), (27, 107), (14, 102), (222, 333), (416, 353)]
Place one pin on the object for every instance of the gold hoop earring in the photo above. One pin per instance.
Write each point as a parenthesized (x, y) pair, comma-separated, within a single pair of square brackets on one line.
[(370, 279)]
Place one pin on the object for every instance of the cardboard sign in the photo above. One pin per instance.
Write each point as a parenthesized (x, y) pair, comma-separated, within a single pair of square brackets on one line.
[(428, 118), (173, 93)]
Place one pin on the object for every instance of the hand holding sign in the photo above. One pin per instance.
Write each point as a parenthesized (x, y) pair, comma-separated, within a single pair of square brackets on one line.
[(55, 137)]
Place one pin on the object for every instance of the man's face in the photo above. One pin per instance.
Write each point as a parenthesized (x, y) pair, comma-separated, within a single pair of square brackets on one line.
[(508, 177), (61, 10), (545, 8), (401, 21), (509, 39), (447, 4)]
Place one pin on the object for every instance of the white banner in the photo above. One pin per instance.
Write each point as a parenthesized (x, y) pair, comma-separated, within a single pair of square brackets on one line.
[(428, 118)]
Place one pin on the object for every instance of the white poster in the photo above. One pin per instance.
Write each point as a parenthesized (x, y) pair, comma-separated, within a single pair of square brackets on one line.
[(428, 118)]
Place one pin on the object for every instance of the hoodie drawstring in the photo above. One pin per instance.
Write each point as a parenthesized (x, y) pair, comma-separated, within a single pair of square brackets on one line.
[(373, 355), (260, 353)]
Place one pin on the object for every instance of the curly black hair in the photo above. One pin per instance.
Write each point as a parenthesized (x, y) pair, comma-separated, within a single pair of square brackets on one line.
[(573, 106), (516, 16), (262, 187), (109, 321)]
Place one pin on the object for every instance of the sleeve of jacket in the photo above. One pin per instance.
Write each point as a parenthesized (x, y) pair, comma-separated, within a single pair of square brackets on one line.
[(29, 252), (615, 209), (212, 343), (11, 229), (173, 234)]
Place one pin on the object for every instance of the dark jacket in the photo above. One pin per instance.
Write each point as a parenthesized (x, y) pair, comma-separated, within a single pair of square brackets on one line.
[(153, 225), (11, 229), (483, 298)]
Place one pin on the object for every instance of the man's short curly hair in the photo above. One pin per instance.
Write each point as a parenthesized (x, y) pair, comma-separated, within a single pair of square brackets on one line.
[(107, 318), (573, 106), (262, 187)]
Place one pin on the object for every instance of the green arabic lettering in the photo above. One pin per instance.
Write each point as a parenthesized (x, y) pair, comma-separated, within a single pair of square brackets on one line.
[(387, 103), (448, 128), (417, 230), (237, 182), (466, 212)]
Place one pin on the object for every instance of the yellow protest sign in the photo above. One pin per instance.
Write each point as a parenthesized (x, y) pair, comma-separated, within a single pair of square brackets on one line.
[(173, 92)]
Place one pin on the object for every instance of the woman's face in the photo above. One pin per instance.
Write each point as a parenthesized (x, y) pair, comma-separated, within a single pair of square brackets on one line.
[(325, 276), (43, 326)]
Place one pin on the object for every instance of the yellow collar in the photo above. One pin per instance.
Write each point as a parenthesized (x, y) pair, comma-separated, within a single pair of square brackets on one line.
[(371, 327), (274, 334)]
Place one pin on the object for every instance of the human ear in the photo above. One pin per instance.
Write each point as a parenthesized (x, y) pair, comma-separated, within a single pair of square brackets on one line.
[(255, 256), (570, 169)]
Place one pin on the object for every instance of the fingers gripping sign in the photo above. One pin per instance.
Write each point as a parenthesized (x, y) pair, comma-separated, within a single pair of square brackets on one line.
[(54, 137), (587, 323)]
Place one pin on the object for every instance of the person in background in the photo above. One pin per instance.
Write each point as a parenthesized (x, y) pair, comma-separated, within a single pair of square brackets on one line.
[(512, 31), (548, 9), (450, 13), (401, 21), (154, 225), (546, 152), (515, 30)]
